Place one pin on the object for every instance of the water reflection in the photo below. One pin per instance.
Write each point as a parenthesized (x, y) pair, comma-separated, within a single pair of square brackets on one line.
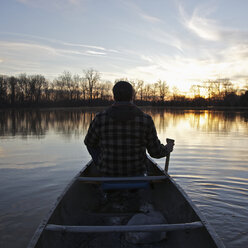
[(43, 149), (38, 123), (68, 122)]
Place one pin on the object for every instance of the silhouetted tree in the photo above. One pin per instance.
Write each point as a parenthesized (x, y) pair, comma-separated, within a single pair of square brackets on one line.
[(3, 89), (92, 77), (140, 89), (73, 90), (244, 99), (12, 84), (163, 89), (22, 83)]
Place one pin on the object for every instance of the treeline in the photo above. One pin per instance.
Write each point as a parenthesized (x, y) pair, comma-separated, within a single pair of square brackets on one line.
[(88, 89), (65, 90)]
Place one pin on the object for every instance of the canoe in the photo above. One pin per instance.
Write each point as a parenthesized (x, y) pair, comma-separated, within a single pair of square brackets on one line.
[(94, 211)]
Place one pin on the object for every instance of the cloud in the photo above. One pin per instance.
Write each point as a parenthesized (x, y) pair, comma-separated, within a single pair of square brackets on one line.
[(40, 55), (149, 18), (82, 45), (183, 71), (199, 24), (35, 47), (39, 39), (141, 13), (165, 37), (95, 52), (34, 58), (17, 46), (32, 50)]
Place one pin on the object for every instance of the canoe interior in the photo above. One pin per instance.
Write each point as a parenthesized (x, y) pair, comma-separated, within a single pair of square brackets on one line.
[(86, 204)]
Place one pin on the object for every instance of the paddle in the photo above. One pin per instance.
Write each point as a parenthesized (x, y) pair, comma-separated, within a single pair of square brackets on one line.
[(168, 141)]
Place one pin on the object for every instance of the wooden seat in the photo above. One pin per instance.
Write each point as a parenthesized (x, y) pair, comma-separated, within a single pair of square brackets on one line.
[(123, 228)]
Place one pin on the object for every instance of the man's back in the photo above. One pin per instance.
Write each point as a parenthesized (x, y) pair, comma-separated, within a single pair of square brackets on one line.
[(122, 133)]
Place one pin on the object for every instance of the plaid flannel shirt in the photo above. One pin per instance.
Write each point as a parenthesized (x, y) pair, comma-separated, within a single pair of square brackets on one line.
[(123, 144)]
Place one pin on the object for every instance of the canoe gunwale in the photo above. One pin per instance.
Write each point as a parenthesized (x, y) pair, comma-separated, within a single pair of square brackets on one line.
[(202, 218), (43, 224)]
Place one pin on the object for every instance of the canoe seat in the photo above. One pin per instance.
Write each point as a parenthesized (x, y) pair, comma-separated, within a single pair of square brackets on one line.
[(125, 185), (125, 228), (122, 179)]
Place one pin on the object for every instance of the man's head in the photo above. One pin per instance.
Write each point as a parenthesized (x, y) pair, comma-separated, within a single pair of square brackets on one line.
[(123, 91)]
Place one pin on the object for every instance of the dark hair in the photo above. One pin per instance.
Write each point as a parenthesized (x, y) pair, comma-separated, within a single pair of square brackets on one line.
[(123, 91)]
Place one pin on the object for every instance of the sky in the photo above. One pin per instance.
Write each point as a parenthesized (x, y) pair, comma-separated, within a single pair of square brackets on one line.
[(182, 42)]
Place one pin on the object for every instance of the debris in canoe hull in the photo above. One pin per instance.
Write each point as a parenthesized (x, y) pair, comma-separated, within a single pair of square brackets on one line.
[(152, 217)]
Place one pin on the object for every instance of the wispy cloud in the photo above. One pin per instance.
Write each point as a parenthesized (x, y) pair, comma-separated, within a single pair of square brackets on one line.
[(141, 13), (42, 51), (189, 42), (180, 69), (35, 38), (148, 18), (200, 24), (17, 46), (95, 52), (167, 37), (82, 45), (32, 54)]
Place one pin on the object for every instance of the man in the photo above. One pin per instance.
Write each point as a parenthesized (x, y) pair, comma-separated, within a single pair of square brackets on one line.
[(118, 137)]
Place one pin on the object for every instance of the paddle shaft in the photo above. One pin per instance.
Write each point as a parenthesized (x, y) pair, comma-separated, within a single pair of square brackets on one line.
[(167, 162), (166, 167)]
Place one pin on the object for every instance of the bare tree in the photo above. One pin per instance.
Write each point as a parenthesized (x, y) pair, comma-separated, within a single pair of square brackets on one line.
[(140, 89), (196, 90), (36, 84), (66, 80), (76, 86), (227, 86), (84, 88), (163, 89), (216, 89), (92, 77), (134, 84), (154, 91), (175, 93), (147, 92), (12, 84), (22, 83), (3, 89)]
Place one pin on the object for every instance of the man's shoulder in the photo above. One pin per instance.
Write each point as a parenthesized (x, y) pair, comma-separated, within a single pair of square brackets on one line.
[(140, 114), (102, 114), (147, 116), (144, 115)]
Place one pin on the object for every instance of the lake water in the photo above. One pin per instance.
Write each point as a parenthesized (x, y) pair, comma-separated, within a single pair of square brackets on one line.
[(40, 152)]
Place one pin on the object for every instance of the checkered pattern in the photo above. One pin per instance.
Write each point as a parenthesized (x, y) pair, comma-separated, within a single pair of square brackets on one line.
[(123, 144)]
